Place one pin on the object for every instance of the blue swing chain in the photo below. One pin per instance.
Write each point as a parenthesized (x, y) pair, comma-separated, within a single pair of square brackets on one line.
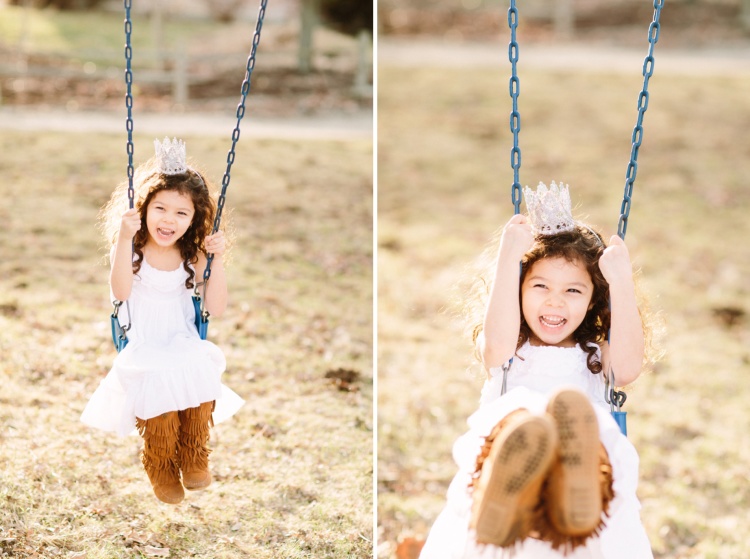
[(515, 116), (637, 137), (250, 66), (119, 332), (129, 99), (515, 127), (616, 398)]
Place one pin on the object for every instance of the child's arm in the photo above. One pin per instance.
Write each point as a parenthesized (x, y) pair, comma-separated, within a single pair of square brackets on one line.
[(502, 321), (121, 272), (626, 350), (216, 291)]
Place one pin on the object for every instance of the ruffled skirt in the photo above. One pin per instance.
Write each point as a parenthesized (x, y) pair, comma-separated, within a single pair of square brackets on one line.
[(623, 537), (146, 381)]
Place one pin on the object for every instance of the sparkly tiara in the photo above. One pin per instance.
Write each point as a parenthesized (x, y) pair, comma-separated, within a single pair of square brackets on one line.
[(549, 209), (170, 156)]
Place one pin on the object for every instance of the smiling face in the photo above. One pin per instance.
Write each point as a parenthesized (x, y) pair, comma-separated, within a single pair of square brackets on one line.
[(168, 215), (555, 297)]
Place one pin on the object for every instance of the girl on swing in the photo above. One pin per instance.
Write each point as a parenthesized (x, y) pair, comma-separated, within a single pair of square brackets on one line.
[(166, 382), (544, 471)]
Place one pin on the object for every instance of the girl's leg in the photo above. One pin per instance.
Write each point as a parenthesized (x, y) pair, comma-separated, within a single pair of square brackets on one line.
[(511, 469), (159, 457), (579, 487), (195, 425)]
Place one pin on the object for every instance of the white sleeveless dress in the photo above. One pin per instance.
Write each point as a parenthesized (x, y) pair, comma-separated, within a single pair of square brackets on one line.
[(165, 366), (535, 373)]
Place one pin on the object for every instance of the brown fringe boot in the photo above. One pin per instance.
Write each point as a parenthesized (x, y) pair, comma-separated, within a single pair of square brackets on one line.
[(543, 528), (193, 452), (159, 457), (511, 468), (578, 491)]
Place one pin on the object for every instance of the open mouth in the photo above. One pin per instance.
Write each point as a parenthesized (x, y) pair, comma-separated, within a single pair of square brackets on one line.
[(164, 233), (551, 321)]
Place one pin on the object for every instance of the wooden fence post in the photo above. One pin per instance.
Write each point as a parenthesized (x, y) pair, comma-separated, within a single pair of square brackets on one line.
[(157, 34), (745, 15), (308, 22), (564, 18), (362, 73), (180, 90)]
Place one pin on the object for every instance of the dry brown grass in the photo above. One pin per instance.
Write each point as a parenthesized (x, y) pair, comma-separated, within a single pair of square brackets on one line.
[(444, 182), (293, 469)]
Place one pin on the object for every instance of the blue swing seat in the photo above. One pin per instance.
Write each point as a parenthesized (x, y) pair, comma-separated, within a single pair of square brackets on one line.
[(120, 333)]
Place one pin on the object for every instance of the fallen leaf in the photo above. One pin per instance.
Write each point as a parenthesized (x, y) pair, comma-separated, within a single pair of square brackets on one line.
[(151, 551), (137, 537), (409, 548)]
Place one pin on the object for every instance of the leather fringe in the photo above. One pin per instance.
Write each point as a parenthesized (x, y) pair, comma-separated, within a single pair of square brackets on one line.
[(526, 520), (544, 529), (484, 452), (160, 440), (194, 432)]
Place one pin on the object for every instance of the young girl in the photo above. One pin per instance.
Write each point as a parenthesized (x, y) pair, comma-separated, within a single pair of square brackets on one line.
[(166, 382), (544, 471)]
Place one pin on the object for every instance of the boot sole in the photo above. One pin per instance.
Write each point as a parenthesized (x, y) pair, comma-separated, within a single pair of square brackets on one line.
[(169, 494), (575, 507), (511, 479), (197, 485)]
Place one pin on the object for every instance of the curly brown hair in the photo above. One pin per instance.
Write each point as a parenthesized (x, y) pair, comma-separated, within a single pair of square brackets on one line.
[(147, 182), (584, 246)]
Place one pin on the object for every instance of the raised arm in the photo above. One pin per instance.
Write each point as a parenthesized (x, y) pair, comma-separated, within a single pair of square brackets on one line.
[(626, 348), (502, 321), (216, 291), (121, 271)]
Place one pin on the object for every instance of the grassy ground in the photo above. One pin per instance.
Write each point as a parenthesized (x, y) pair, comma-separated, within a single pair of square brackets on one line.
[(293, 468), (444, 182)]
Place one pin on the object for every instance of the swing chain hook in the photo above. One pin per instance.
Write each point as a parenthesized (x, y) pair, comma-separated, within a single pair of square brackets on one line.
[(615, 398)]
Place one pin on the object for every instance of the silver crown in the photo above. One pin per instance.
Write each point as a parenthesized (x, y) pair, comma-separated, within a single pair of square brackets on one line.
[(170, 156), (549, 209)]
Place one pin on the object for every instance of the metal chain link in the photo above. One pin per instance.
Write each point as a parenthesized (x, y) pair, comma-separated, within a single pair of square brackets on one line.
[(616, 398), (515, 116), (245, 89), (637, 137), (129, 99), (129, 149)]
